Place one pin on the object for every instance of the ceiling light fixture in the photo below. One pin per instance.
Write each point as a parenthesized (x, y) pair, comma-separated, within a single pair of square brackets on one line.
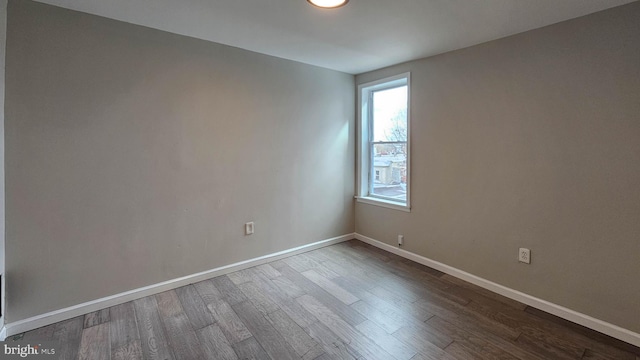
[(328, 4)]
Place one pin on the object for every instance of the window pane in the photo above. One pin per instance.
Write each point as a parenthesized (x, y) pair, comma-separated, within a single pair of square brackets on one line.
[(390, 171), (390, 114)]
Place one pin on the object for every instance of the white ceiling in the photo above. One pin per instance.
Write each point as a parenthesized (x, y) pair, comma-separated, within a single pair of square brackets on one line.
[(362, 36)]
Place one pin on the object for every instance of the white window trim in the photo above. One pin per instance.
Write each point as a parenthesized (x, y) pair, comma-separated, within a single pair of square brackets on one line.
[(363, 152)]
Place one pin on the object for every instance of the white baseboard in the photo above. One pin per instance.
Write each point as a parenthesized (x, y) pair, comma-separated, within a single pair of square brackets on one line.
[(557, 310), (52, 317)]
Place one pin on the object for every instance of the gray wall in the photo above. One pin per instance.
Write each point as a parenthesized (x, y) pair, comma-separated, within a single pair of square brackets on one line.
[(530, 141), (135, 156), (3, 38)]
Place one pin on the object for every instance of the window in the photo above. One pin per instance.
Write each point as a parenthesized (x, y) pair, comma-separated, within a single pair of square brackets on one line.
[(383, 142)]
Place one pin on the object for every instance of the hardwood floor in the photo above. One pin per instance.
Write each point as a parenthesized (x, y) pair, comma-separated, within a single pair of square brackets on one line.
[(346, 301)]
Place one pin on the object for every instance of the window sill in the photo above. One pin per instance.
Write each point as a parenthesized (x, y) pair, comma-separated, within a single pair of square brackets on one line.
[(383, 203)]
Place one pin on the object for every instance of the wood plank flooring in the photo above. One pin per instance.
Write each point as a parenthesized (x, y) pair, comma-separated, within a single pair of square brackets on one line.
[(346, 301)]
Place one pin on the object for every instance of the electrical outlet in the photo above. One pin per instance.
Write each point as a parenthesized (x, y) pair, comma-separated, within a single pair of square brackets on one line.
[(248, 228), (400, 240), (524, 255)]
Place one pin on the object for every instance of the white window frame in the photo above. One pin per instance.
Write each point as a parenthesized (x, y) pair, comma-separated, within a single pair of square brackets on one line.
[(364, 155)]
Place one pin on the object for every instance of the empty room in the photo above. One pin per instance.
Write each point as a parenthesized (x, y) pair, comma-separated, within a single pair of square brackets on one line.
[(320, 179)]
